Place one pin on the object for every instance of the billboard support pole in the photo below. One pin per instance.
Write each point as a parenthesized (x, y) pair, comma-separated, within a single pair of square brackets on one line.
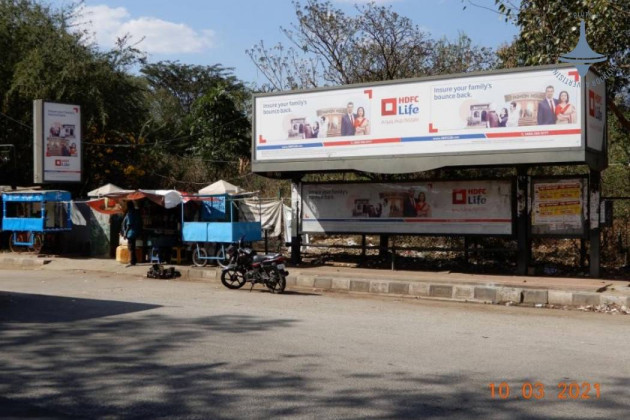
[(522, 221), (594, 231), (382, 246), (296, 201)]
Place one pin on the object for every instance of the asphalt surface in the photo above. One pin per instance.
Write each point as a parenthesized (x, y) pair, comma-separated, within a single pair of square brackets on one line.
[(111, 345)]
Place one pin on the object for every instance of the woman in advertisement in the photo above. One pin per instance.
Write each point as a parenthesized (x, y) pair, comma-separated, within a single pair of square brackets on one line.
[(361, 124), (423, 209), (565, 112)]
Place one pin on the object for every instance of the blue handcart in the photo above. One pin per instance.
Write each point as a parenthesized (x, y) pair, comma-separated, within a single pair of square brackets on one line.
[(213, 219), (30, 215)]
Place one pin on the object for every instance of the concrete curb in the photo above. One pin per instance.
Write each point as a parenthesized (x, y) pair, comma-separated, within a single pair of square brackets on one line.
[(23, 261), (452, 291)]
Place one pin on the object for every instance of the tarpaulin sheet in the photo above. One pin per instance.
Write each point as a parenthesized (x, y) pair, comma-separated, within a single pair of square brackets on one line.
[(269, 213)]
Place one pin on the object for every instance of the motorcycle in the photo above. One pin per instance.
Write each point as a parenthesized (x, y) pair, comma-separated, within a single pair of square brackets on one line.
[(244, 265)]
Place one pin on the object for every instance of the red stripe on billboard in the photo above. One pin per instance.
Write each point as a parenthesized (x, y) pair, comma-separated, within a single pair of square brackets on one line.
[(414, 220), (534, 133)]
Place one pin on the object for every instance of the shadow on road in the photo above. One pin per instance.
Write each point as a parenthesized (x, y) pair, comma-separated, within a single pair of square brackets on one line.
[(148, 365), (31, 308)]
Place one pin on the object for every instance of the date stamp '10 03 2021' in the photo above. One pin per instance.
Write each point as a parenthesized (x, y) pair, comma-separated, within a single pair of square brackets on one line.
[(536, 391)]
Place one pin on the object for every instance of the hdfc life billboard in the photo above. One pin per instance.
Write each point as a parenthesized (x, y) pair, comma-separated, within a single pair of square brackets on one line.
[(430, 123), (57, 142), (443, 207)]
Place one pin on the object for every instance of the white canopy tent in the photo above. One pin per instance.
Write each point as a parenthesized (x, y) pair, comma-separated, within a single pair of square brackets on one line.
[(220, 187), (107, 189)]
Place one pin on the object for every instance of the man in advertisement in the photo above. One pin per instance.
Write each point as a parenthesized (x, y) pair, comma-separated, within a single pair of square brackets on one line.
[(547, 108), (347, 121)]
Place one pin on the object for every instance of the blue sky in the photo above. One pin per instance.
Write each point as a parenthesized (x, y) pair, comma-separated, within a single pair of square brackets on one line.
[(208, 32)]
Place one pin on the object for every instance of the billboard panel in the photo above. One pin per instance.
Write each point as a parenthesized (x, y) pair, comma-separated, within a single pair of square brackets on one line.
[(61, 142), (444, 207), (595, 111), (479, 114), (558, 206)]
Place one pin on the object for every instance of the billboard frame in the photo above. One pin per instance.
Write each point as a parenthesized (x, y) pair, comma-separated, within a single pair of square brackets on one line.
[(585, 206), (391, 164), (513, 210), (39, 142)]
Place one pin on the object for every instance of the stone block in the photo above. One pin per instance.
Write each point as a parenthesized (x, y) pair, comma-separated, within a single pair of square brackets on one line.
[(343, 284), (419, 289), (560, 297), (535, 296), (486, 294), (359, 286), (584, 299), (305, 281), (379, 286), (399, 288), (509, 294), (322, 283), (464, 292), (441, 291), (617, 300)]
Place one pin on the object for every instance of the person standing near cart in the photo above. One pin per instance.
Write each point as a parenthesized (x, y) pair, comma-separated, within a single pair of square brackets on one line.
[(131, 229)]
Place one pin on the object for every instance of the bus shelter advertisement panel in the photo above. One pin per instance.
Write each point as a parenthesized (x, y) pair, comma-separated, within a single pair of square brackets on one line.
[(62, 142), (559, 207), (501, 112), (470, 207)]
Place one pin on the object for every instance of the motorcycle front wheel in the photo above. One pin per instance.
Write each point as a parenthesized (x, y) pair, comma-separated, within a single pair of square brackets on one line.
[(277, 282), (232, 279)]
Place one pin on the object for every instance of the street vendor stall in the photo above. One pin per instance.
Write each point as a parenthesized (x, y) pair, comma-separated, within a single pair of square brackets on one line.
[(30, 215)]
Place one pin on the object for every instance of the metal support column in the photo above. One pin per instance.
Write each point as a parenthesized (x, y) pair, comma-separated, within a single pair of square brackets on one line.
[(296, 240), (522, 221), (594, 230)]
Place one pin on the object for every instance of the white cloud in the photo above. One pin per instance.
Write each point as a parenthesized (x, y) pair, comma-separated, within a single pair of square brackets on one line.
[(156, 36)]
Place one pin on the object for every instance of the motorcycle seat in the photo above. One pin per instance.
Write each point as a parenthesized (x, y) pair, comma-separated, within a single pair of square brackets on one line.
[(260, 258)]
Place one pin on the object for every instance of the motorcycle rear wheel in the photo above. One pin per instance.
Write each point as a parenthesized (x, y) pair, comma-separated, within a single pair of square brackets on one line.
[(277, 282), (232, 279)]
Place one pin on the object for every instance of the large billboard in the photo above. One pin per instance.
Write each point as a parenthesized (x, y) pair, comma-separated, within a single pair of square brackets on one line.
[(443, 207), (523, 116), (57, 142)]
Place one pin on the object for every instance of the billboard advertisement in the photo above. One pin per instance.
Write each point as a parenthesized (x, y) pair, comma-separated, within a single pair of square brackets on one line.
[(558, 206), (595, 111), (499, 112), (444, 207), (61, 125)]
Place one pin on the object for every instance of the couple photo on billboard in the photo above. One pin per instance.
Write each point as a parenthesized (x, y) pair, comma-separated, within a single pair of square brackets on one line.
[(351, 120)]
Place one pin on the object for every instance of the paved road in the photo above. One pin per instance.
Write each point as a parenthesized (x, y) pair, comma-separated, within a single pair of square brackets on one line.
[(91, 345)]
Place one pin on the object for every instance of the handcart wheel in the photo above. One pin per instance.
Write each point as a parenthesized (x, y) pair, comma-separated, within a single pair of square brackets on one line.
[(38, 242), (222, 259), (12, 246), (200, 257)]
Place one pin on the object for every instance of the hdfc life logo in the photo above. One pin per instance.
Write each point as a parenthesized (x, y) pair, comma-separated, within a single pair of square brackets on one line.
[(403, 105), (62, 162), (475, 196)]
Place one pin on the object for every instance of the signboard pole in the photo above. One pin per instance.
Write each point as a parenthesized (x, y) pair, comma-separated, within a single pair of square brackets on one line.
[(296, 200), (522, 221), (594, 233)]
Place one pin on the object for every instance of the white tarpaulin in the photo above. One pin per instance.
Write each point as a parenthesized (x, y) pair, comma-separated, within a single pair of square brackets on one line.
[(165, 198), (107, 189), (220, 187), (269, 213)]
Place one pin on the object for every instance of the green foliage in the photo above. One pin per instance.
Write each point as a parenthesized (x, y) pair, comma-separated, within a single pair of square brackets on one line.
[(42, 59)]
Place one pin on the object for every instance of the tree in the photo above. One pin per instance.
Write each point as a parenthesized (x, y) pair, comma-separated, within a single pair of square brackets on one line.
[(43, 59), (328, 47)]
